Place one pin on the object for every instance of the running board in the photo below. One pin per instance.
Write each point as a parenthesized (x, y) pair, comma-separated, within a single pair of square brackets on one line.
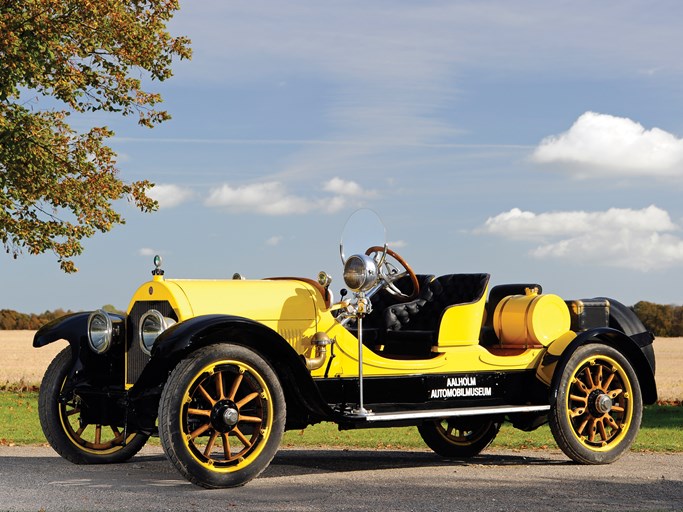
[(370, 416)]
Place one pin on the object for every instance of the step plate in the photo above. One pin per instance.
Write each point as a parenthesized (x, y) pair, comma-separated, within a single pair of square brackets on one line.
[(370, 416)]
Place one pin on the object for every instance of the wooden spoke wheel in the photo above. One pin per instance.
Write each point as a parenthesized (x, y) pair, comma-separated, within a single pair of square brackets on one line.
[(459, 438), (222, 416), (599, 407), (66, 430)]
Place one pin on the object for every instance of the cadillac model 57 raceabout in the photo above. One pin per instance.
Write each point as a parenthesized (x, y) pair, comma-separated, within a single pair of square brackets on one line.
[(219, 369)]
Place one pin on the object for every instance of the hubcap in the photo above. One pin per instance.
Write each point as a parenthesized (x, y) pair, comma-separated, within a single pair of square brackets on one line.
[(230, 416), (603, 404), (224, 415)]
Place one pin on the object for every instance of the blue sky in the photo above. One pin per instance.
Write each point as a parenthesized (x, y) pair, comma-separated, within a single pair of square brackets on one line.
[(536, 141)]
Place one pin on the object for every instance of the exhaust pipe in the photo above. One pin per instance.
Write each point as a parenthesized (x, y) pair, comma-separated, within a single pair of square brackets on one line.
[(320, 341)]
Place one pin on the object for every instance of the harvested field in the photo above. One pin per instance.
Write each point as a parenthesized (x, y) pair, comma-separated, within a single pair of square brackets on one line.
[(21, 362), (669, 375)]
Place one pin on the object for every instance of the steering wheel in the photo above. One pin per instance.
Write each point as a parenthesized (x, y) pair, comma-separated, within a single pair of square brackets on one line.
[(389, 273)]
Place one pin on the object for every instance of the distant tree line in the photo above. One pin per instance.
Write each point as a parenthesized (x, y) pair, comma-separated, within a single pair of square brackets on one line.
[(661, 319), (13, 321)]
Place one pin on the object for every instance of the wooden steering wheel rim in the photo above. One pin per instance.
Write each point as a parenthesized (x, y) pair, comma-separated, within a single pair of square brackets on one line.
[(402, 262)]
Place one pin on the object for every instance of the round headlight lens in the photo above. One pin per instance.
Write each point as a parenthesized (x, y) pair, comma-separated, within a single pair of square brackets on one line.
[(152, 324), (100, 331), (360, 272)]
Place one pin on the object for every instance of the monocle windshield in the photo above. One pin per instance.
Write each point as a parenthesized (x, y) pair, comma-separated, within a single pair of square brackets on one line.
[(363, 229)]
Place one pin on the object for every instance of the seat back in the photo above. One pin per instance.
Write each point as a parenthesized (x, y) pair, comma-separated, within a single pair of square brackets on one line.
[(424, 313)]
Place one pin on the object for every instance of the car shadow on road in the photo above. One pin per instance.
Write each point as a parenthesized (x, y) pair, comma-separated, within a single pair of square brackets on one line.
[(155, 469), (315, 461)]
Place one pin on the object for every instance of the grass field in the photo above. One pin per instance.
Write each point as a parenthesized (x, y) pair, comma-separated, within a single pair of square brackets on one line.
[(660, 431)]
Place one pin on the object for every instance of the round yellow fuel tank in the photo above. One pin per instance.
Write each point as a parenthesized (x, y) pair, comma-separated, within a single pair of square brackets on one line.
[(531, 319)]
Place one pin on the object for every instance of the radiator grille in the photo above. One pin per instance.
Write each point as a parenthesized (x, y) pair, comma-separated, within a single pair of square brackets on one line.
[(136, 359)]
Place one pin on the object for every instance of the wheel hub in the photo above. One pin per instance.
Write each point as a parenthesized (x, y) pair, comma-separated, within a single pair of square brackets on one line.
[(599, 403), (225, 415)]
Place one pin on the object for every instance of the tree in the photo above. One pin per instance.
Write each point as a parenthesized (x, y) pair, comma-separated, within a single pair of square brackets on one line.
[(57, 186)]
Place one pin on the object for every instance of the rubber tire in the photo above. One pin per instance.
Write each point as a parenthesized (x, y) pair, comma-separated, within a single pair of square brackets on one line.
[(484, 431), (53, 428), (561, 426), (171, 433)]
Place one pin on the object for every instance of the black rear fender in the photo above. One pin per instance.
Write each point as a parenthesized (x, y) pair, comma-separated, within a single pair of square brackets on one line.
[(637, 348)]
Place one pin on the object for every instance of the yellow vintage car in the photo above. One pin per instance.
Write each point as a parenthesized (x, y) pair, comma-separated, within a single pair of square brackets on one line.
[(219, 369)]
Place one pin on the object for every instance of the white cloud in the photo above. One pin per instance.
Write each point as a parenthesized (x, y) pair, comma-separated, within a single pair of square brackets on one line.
[(636, 239), (602, 144), (169, 196), (270, 198), (274, 240), (337, 203), (273, 198), (397, 244), (148, 252), (347, 188), (518, 224)]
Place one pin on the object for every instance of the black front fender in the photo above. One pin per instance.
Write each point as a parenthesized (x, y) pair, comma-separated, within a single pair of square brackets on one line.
[(72, 328), (87, 368), (179, 341)]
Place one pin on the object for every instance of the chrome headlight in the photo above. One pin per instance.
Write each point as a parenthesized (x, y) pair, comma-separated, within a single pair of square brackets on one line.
[(360, 272), (100, 331), (152, 324)]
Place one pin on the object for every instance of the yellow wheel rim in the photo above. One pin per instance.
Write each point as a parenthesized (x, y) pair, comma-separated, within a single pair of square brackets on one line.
[(460, 435), (226, 415), (599, 403)]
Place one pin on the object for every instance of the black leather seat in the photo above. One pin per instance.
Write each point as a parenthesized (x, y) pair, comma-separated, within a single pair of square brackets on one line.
[(383, 299), (412, 327), (373, 324)]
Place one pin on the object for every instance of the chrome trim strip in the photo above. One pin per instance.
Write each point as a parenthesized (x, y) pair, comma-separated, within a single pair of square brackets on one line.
[(446, 413)]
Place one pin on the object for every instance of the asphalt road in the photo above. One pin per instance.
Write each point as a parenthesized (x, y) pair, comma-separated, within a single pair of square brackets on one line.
[(35, 479)]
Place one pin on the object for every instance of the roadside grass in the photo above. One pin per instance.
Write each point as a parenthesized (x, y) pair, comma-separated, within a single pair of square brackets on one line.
[(660, 431), (19, 422)]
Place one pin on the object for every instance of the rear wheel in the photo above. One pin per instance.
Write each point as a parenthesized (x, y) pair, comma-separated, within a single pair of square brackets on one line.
[(599, 407), (222, 416), (66, 430), (459, 438)]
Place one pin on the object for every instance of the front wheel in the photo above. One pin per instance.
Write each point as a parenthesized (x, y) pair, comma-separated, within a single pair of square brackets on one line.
[(599, 407), (222, 416), (459, 438), (69, 433)]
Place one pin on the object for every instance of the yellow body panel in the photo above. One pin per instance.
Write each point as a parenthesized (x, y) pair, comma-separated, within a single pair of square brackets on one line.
[(556, 349), (461, 324), (296, 310), (288, 306), (470, 358)]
